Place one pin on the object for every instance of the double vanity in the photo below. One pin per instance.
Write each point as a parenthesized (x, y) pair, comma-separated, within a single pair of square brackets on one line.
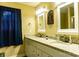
[(68, 15), (42, 47)]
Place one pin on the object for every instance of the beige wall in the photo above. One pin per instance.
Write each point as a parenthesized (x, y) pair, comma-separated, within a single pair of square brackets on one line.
[(51, 30), (28, 16)]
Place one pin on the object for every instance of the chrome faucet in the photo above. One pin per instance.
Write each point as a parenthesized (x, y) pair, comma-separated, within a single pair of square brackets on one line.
[(63, 38), (46, 37)]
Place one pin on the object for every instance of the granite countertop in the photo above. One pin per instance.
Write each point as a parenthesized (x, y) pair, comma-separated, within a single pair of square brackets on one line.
[(71, 48)]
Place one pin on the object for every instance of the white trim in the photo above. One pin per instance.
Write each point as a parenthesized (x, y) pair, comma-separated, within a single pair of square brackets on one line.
[(75, 15)]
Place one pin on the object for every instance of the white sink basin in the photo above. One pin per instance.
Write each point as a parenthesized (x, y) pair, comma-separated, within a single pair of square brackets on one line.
[(48, 40)]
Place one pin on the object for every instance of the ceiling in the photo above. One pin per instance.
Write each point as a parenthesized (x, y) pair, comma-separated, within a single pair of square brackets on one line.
[(33, 4)]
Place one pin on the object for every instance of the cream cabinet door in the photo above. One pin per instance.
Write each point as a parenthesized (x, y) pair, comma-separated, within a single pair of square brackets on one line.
[(27, 46), (32, 51), (39, 53)]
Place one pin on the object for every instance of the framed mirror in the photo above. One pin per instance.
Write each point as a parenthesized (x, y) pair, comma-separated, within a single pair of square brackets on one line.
[(41, 22), (68, 17)]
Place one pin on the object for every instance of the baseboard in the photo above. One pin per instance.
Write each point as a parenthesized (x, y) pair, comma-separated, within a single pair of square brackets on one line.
[(19, 55)]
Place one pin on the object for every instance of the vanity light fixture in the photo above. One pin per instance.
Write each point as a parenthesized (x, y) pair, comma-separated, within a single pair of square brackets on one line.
[(40, 10)]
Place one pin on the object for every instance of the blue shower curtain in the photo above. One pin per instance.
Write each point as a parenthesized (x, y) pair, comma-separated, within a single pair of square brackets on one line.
[(10, 26)]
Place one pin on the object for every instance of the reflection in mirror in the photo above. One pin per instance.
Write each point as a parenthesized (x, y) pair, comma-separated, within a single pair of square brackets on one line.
[(41, 23), (67, 17)]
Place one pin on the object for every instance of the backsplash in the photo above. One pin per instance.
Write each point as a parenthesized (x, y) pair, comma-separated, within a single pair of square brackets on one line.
[(75, 39)]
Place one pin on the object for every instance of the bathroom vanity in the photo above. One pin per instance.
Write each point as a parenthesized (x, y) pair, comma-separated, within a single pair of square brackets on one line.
[(67, 24), (40, 47)]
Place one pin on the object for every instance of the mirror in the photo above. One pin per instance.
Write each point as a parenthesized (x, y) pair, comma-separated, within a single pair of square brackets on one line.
[(41, 22), (68, 17)]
